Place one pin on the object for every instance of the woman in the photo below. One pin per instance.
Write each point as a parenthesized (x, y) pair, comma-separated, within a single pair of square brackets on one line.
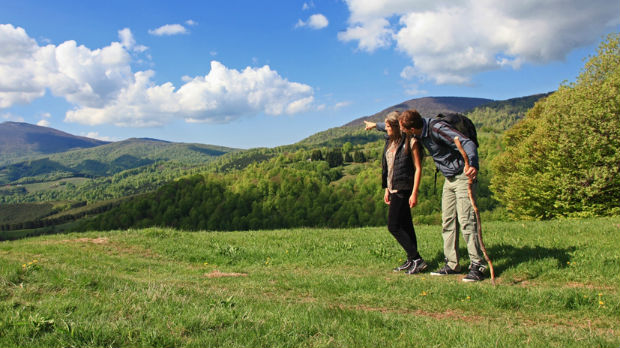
[(401, 174)]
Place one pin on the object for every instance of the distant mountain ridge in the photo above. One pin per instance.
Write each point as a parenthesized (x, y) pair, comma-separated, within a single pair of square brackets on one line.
[(30, 153), (427, 107), (23, 139)]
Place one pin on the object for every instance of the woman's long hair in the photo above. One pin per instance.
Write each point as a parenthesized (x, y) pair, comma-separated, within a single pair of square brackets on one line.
[(392, 120)]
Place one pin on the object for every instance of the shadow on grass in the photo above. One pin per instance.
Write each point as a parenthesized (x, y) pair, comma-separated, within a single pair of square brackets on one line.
[(508, 256)]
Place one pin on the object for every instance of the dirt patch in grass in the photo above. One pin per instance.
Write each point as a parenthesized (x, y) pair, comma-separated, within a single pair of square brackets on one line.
[(218, 274), (100, 240), (577, 285)]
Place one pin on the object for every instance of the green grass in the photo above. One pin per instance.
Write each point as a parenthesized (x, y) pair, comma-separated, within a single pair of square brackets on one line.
[(557, 286)]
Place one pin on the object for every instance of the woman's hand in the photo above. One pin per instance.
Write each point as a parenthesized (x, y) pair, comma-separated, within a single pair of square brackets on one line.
[(386, 197), (370, 125), (413, 200)]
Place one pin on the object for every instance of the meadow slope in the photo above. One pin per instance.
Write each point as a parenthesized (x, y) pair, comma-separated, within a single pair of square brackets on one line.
[(557, 286)]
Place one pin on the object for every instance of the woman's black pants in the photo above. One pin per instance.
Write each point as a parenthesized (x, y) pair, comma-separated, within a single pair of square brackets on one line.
[(400, 224)]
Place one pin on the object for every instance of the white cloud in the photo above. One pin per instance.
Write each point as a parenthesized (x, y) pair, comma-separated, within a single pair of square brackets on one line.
[(43, 123), (46, 115), (307, 5), (127, 40), (414, 90), (450, 41), (95, 135), (316, 21), (104, 90), (191, 23), (169, 29), (221, 96), (10, 117), (342, 104), (81, 75), (371, 35)]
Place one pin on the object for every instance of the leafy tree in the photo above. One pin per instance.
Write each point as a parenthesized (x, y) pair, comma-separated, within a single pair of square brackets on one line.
[(334, 158), (347, 147), (316, 155), (563, 159), (347, 157), (358, 157)]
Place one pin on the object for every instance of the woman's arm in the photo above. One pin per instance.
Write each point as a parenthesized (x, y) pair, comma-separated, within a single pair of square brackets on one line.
[(417, 177), (380, 126)]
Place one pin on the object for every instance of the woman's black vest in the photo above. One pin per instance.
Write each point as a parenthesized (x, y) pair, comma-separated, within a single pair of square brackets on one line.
[(402, 176)]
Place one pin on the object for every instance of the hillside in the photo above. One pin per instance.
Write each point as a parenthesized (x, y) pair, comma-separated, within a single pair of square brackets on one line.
[(487, 114), (105, 172), (22, 139), (499, 116), (427, 107), (557, 286), (324, 191), (108, 159)]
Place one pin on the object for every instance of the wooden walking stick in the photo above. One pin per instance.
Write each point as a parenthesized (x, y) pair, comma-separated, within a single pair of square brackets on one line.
[(457, 141)]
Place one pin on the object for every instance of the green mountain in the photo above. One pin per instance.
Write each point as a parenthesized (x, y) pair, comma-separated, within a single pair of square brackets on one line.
[(354, 133), (22, 139), (498, 116), (107, 172), (285, 186)]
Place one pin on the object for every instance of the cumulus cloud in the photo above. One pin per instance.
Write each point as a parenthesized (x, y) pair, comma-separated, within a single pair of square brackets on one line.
[(449, 42), (104, 90), (221, 96), (10, 117), (43, 123), (95, 135), (342, 104), (127, 40), (81, 75), (169, 29), (316, 21), (191, 23)]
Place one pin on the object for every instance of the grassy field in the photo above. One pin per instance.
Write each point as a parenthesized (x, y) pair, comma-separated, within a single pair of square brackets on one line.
[(557, 286)]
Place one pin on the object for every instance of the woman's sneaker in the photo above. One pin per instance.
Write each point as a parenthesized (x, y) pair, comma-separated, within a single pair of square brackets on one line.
[(417, 266), (404, 266), (446, 270)]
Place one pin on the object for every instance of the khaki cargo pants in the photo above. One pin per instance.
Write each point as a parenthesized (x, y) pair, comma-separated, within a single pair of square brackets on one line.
[(456, 210)]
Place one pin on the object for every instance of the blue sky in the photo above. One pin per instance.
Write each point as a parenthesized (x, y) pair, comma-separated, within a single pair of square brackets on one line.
[(266, 73)]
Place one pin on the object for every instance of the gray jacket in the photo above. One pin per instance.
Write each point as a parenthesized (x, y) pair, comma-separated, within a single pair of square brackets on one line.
[(439, 141)]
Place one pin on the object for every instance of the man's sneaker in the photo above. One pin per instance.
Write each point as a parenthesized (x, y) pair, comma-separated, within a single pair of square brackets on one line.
[(446, 270), (475, 273), (417, 266), (404, 266)]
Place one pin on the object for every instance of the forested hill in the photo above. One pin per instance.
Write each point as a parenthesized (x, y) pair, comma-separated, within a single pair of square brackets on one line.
[(22, 139), (108, 159), (487, 114)]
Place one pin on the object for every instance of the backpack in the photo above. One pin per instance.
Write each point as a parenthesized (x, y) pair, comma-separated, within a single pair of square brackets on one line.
[(461, 123)]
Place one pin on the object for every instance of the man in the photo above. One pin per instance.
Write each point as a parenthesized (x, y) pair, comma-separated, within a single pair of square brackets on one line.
[(456, 208)]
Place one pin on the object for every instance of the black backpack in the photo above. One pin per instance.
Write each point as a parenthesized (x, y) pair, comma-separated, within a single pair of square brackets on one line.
[(461, 123)]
